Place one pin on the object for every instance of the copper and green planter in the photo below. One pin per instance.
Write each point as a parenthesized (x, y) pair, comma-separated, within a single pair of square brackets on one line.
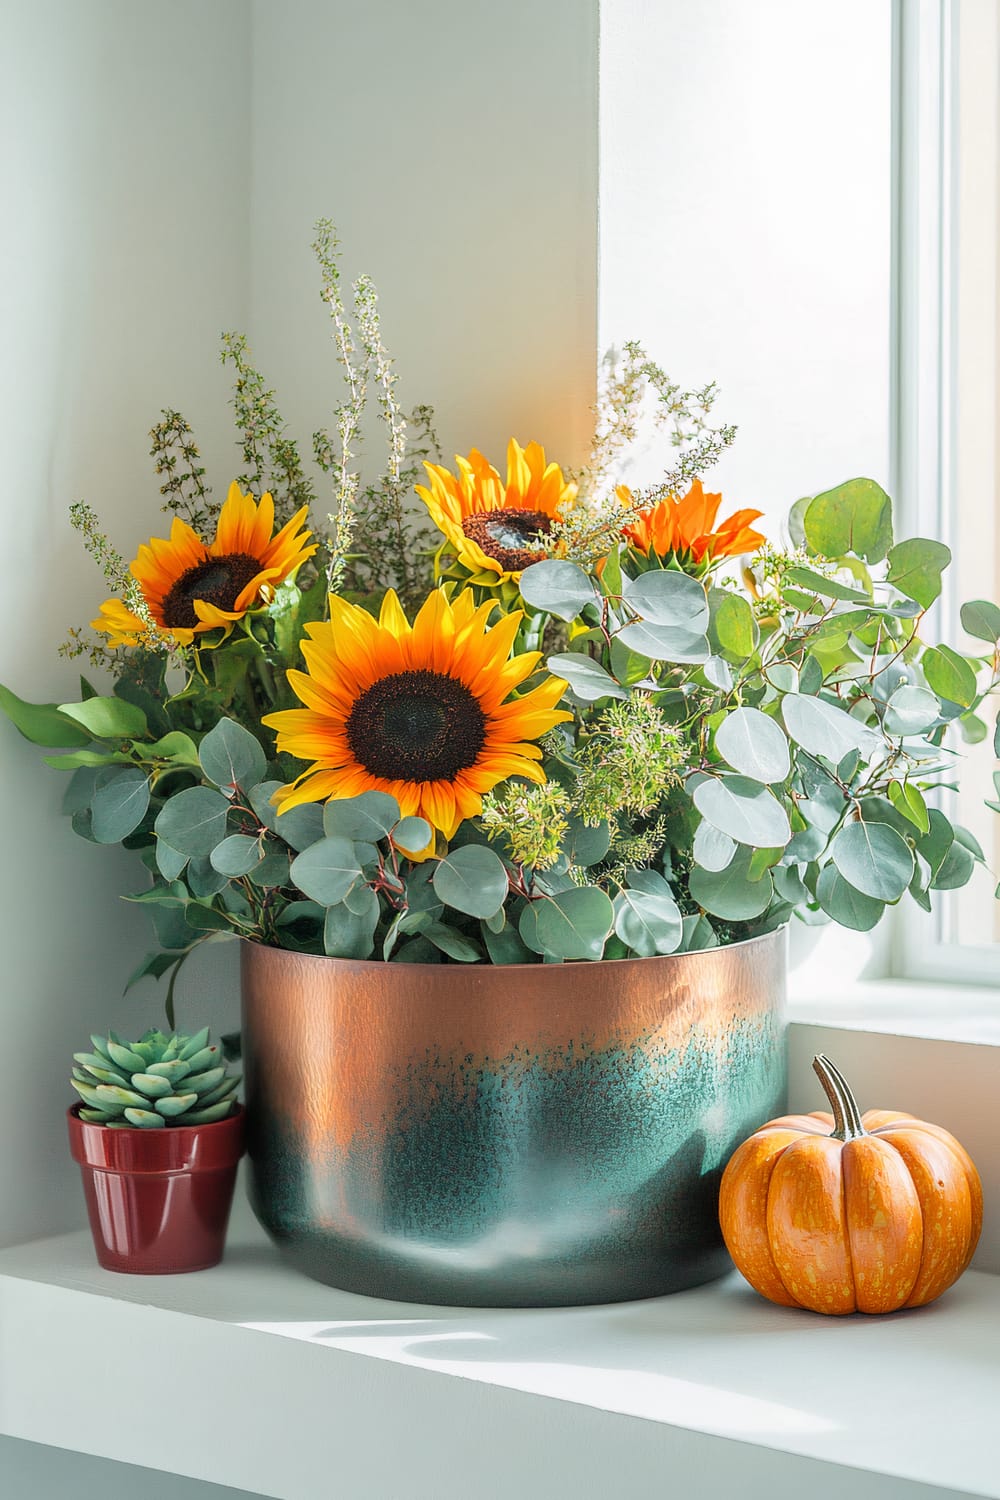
[(537, 1136)]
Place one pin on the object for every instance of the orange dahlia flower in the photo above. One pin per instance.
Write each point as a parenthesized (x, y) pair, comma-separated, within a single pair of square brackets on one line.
[(676, 527)]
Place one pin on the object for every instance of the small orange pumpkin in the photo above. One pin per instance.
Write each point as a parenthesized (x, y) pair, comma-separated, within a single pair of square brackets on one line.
[(847, 1213)]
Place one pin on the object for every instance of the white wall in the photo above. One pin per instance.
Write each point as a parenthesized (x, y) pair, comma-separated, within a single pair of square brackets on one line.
[(125, 164), (454, 144)]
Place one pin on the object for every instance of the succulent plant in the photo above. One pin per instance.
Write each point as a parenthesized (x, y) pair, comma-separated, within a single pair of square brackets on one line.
[(158, 1080)]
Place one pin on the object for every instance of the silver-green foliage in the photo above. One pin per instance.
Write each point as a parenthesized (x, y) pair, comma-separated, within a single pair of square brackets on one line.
[(157, 1081)]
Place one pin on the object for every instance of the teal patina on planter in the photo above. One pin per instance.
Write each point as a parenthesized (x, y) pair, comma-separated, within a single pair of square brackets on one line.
[(535, 1136)]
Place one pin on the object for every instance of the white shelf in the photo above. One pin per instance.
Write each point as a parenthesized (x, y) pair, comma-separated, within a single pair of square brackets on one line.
[(253, 1376)]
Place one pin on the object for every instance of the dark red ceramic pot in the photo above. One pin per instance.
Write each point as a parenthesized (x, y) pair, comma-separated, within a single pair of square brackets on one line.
[(158, 1200)]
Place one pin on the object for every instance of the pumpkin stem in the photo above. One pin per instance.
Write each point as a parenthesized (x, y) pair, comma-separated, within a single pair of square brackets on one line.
[(847, 1124)]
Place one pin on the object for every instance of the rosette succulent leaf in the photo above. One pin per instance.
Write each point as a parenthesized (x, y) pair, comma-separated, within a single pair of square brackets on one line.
[(157, 1081)]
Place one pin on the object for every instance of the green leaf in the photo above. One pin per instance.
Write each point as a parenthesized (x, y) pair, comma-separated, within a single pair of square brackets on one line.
[(326, 871), (42, 723), (699, 934), (575, 923), (351, 934), (193, 821), (663, 597), (412, 835), (299, 826), (665, 642), (981, 618), (745, 810), (175, 746), (713, 850), (915, 568), (471, 879), (119, 806), (955, 869), (368, 817), (753, 744), (107, 718), (237, 855), (824, 730), (204, 879), (911, 710), (846, 905), (874, 859), (854, 517), (827, 588), (232, 757), (585, 846), (734, 626), (558, 588), (950, 675), (506, 947), (587, 679), (908, 800), (169, 862), (449, 940), (730, 893), (648, 924)]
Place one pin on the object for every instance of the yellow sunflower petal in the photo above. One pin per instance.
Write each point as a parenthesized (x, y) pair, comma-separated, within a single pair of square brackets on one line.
[(427, 722)]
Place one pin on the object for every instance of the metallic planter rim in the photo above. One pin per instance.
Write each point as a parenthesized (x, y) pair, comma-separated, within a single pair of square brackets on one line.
[(382, 964)]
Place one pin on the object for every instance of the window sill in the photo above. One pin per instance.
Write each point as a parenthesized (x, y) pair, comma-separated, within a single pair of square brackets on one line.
[(254, 1376), (935, 1010)]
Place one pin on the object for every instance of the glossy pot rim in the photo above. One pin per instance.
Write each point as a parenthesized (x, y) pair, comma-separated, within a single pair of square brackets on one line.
[(176, 1148), (371, 965)]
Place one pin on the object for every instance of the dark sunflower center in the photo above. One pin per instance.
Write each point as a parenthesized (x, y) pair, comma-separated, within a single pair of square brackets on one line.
[(416, 726), (218, 580), (508, 535)]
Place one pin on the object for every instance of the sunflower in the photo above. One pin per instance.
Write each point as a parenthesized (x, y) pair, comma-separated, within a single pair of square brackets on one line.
[(421, 711), (675, 527), (494, 528), (190, 587)]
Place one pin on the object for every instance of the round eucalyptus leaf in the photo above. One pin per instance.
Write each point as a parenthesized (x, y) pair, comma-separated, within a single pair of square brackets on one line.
[(232, 757), (824, 730), (449, 940), (507, 947), (194, 821), (648, 924), (587, 679), (368, 817), (119, 806), (874, 859), (584, 845), (169, 862), (754, 745), (915, 568), (350, 934), (730, 893), (237, 855), (955, 869), (471, 879), (663, 597), (911, 710), (855, 517), (733, 625), (665, 642), (299, 826), (575, 923), (558, 588), (981, 618), (713, 850), (326, 871), (745, 810), (846, 905), (719, 673), (204, 879), (949, 675), (412, 835)]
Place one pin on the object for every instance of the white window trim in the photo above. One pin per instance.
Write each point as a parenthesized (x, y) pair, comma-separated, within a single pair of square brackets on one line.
[(924, 458)]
